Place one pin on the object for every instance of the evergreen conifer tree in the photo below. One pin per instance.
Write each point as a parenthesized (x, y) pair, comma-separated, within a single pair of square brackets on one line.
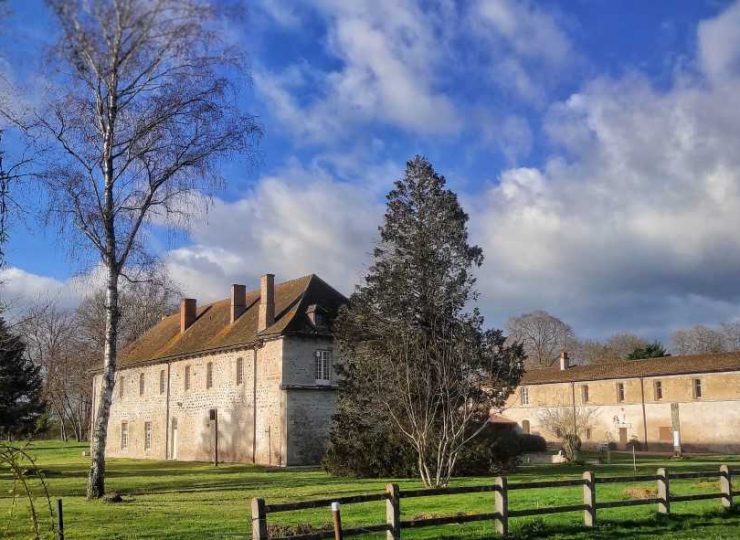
[(21, 403)]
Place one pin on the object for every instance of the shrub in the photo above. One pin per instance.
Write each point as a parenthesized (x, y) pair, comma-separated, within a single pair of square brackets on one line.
[(532, 443), (634, 443), (571, 446)]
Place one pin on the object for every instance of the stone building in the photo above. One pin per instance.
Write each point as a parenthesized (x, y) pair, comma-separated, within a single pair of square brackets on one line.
[(246, 379), (640, 400)]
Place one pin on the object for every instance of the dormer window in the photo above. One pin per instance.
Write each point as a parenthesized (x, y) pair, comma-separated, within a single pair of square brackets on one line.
[(316, 315), (323, 367)]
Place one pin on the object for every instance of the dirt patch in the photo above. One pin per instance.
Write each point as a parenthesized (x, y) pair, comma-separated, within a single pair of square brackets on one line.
[(294, 530), (640, 493)]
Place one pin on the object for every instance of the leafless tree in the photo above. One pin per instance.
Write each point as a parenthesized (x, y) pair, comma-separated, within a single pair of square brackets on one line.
[(543, 336), (614, 349), (146, 109), (731, 332), (568, 423), (698, 339), (437, 388), (55, 343)]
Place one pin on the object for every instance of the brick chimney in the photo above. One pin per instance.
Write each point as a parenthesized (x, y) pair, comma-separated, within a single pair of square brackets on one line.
[(188, 308), (267, 302), (238, 301), (564, 361)]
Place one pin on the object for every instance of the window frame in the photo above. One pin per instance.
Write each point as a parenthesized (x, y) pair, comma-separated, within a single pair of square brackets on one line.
[(124, 435), (147, 436), (697, 388), (239, 371), (121, 386), (209, 375), (657, 390), (186, 377), (585, 397), (621, 392), (322, 366), (526, 426), (162, 381), (142, 383), (524, 395)]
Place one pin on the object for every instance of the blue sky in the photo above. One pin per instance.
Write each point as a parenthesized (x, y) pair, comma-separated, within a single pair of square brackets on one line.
[(593, 143)]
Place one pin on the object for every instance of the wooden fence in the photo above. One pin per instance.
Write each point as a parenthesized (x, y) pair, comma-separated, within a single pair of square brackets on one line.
[(501, 513)]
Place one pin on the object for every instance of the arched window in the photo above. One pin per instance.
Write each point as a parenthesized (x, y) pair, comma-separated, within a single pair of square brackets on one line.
[(525, 426)]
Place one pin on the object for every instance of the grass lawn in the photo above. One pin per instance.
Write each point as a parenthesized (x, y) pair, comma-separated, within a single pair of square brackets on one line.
[(196, 500)]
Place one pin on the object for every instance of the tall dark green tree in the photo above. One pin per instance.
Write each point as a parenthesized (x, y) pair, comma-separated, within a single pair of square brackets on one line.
[(417, 358), (651, 350), (21, 404)]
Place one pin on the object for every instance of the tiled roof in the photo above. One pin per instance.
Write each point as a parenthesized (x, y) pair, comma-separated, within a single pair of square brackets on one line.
[(649, 367), (212, 329)]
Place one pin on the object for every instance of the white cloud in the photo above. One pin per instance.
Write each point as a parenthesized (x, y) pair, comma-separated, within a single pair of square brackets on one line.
[(296, 222), (388, 53), (528, 50), (632, 223), (20, 289), (719, 44)]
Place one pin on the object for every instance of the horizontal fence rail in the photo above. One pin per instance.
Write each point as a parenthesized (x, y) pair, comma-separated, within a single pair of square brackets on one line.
[(501, 514)]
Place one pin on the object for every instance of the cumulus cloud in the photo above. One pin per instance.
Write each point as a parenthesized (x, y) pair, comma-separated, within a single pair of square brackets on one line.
[(299, 221), (719, 44), (632, 223), (20, 289)]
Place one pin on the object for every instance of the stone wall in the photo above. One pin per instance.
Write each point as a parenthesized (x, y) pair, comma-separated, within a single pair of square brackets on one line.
[(710, 423), (290, 427)]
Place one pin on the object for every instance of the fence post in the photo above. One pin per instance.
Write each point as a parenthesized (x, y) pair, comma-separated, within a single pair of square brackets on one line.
[(259, 519), (393, 512), (725, 486), (336, 519), (60, 520), (664, 496), (589, 499), (501, 499)]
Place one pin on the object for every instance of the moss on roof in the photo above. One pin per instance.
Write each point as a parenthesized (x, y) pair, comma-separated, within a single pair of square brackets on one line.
[(212, 329)]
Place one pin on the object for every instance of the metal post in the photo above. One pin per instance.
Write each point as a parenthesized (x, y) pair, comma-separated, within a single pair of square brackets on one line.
[(259, 520), (725, 486), (589, 499), (60, 520), (664, 498), (501, 499), (336, 519), (393, 512)]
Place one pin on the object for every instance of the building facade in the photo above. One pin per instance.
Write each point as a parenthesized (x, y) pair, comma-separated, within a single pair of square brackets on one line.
[(645, 401), (245, 379)]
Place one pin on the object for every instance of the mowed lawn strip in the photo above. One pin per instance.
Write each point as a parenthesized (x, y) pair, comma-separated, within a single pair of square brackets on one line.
[(197, 500)]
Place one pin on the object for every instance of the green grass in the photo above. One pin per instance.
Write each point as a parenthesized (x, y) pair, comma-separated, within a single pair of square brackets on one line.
[(196, 500)]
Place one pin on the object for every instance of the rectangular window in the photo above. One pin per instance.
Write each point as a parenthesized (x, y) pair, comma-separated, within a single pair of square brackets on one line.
[(209, 375), (147, 435), (162, 381), (588, 434), (187, 377), (124, 435), (697, 389), (665, 433), (141, 384), (121, 385), (584, 393), (524, 395), (620, 392), (658, 390), (239, 371), (323, 367)]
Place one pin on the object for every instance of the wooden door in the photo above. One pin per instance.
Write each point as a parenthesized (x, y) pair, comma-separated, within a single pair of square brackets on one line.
[(623, 436)]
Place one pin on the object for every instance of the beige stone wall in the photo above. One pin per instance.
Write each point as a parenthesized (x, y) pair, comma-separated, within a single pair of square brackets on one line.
[(711, 423), (290, 426), (309, 410)]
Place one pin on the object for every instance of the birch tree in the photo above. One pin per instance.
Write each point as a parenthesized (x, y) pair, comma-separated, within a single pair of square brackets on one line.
[(146, 108)]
